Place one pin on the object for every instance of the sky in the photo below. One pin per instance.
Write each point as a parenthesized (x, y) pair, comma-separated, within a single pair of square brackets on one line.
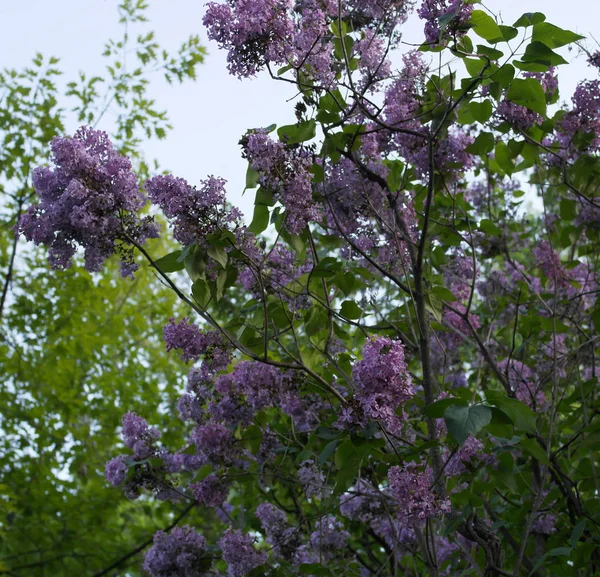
[(210, 115)]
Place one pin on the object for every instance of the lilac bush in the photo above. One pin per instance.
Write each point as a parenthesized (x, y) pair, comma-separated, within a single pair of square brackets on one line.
[(400, 377)]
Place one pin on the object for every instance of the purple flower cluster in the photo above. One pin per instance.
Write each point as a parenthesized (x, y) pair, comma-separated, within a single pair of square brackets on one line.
[(383, 381), (584, 118), (195, 343), (285, 539), (139, 436), (413, 492), (239, 553), (215, 442), (363, 503), (455, 15), (115, 470), (211, 491), (180, 553), (91, 199), (195, 212), (312, 480), (286, 172), (471, 452), (329, 536)]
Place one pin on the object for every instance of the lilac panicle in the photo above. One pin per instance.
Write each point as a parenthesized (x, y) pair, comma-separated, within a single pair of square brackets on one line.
[(180, 553), (239, 553), (91, 200)]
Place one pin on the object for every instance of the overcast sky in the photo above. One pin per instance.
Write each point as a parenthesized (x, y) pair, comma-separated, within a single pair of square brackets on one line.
[(209, 116)]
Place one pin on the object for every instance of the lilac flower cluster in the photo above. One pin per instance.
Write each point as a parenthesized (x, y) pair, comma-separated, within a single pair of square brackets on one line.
[(195, 212), (211, 491), (195, 343), (286, 172), (312, 480), (413, 492), (239, 553), (276, 270), (91, 199), (180, 553), (363, 503), (139, 436), (454, 13), (584, 119), (328, 537), (285, 539), (115, 470), (470, 452), (383, 381), (215, 442), (522, 382)]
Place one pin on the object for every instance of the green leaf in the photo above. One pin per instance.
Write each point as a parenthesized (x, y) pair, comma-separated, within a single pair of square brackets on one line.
[(171, 262), (260, 219), (503, 158), (218, 254), (194, 261), (483, 145), (201, 292), (529, 19), (558, 552), (577, 533), (436, 410), (522, 417), (539, 53), (463, 422), (534, 449), (528, 92), (481, 111), (553, 36), (351, 310), (485, 27), (296, 133), (251, 177), (328, 451)]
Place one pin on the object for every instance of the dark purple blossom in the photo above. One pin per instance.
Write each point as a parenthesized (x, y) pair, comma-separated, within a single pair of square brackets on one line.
[(180, 553), (194, 343), (239, 553), (444, 18), (211, 491)]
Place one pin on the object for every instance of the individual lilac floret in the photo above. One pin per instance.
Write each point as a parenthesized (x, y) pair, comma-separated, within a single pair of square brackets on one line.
[(193, 343), (414, 496), (455, 13), (90, 199), (139, 436), (239, 553), (211, 491), (115, 470), (383, 381), (180, 553)]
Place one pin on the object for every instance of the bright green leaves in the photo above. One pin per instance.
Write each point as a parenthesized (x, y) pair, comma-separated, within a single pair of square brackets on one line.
[(485, 27), (171, 262), (481, 111), (553, 36), (351, 310), (462, 421), (529, 19), (529, 93), (260, 219), (539, 58), (297, 133)]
